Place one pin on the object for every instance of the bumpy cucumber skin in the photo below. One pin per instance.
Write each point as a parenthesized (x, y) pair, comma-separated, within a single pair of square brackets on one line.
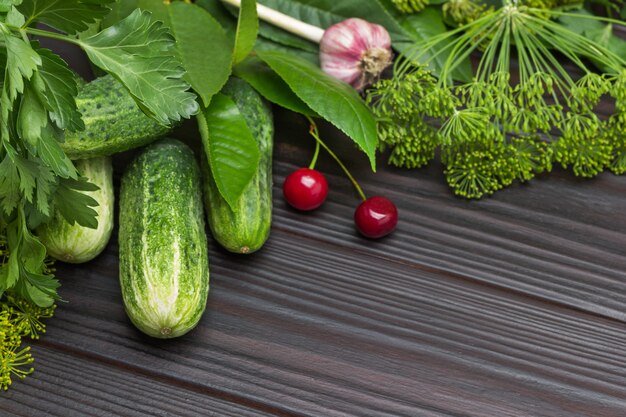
[(246, 228), (75, 243), (113, 122), (164, 265)]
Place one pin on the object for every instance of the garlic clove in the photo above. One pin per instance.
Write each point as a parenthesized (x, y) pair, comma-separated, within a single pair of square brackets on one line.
[(355, 51)]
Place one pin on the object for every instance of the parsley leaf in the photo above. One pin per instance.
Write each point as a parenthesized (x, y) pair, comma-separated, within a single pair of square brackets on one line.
[(75, 206), (6, 5), (140, 53), (60, 90), (9, 185), (68, 16), (22, 61)]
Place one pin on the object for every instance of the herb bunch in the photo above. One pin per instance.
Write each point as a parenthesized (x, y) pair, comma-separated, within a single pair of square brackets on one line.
[(18, 319), (505, 124), (37, 106)]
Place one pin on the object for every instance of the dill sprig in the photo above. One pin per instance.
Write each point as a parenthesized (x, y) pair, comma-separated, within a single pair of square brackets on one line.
[(506, 124), (19, 319)]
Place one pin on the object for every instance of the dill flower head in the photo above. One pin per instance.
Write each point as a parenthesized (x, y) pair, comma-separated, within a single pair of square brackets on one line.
[(14, 362), (462, 12), (410, 6), (18, 319)]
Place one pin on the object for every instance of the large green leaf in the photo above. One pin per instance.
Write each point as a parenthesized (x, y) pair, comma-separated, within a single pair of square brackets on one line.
[(263, 44), (69, 16), (270, 85), (220, 13), (332, 99), (281, 37), (582, 22), (247, 29), (123, 8), (426, 25), (139, 52), (207, 64), (230, 147)]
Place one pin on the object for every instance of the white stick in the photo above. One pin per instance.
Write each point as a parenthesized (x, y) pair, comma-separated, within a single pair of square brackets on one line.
[(288, 23)]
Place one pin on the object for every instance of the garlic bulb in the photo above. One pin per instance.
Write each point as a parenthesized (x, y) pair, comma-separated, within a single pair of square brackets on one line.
[(355, 51)]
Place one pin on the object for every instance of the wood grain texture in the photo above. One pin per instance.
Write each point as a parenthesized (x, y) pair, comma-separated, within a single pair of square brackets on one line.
[(324, 323), (70, 386)]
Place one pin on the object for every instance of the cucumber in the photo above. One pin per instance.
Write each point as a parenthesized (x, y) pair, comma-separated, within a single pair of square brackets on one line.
[(246, 227), (75, 243), (113, 121), (164, 265)]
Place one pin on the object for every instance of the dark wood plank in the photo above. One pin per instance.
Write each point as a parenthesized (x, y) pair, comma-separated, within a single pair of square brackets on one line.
[(69, 386), (308, 327)]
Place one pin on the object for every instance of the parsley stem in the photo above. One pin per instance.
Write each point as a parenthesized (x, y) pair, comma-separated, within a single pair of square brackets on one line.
[(46, 34)]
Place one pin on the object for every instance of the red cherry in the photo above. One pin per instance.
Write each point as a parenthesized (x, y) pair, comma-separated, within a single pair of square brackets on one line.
[(305, 189), (376, 217)]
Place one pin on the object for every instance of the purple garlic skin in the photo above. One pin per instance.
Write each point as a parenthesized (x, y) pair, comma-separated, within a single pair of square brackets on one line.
[(355, 51)]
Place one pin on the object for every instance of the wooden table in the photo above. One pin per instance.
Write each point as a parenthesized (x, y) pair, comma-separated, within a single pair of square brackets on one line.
[(510, 306)]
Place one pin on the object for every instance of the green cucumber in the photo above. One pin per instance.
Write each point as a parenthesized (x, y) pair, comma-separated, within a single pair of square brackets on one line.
[(246, 227), (75, 243), (113, 121), (164, 265)]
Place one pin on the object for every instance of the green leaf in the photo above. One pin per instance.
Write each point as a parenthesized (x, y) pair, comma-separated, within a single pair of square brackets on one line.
[(60, 91), (9, 186), (46, 180), (32, 117), (207, 64), (279, 36), (247, 29), (121, 9), (596, 30), (140, 54), (32, 252), (270, 85), (22, 62), (14, 231), (231, 150), (263, 44), (218, 10), (28, 171), (332, 99), (15, 18), (6, 5), (74, 205), (68, 16), (52, 155), (40, 289), (426, 25)]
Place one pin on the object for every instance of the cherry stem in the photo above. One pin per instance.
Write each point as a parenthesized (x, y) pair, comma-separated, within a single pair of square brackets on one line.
[(315, 155), (315, 133)]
